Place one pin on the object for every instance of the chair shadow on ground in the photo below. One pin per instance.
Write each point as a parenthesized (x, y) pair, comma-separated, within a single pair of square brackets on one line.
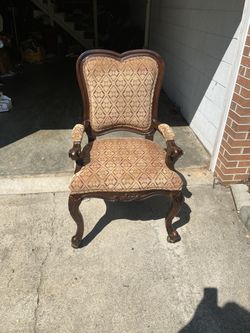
[(210, 318), (154, 208)]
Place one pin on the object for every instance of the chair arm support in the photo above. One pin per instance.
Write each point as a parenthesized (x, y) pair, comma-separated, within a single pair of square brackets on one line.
[(75, 151), (173, 151), (77, 135)]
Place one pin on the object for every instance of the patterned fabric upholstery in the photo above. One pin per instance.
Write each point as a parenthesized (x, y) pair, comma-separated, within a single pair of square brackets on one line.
[(77, 133), (124, 165), (120, 92)]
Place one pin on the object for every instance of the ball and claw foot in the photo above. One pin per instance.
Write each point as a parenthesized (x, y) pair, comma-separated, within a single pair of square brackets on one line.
[(75, 242), (173, 237)]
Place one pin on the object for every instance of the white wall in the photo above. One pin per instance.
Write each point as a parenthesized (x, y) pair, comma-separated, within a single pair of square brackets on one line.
[(199, 41)]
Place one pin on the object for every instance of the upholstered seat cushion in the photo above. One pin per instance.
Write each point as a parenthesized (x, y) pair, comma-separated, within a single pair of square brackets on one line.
[(124, 165)]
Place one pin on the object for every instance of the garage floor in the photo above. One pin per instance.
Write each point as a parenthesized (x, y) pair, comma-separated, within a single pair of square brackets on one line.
[(126, 277), (35, 134)]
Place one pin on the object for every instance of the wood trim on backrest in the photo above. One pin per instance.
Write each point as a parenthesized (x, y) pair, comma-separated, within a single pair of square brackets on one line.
[(129, 54)]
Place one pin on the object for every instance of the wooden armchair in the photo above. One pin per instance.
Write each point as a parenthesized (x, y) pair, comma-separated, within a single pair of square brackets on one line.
[(120, 92)]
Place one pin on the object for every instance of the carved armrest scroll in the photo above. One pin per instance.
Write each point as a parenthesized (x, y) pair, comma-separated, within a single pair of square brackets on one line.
[(174, 152)]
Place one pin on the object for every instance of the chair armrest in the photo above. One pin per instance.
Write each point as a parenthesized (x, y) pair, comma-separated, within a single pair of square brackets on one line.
[(173, 151), (77, 135), (166, 131)]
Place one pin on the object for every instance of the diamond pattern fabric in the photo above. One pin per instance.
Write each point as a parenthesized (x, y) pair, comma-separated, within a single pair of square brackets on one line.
[(120, 92), (124, 165)]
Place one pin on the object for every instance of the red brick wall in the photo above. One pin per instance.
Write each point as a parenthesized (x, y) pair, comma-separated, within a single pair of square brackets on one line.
[(233, 163)]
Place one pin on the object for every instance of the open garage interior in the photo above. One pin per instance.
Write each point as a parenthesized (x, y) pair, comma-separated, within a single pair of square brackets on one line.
[(198, 40)]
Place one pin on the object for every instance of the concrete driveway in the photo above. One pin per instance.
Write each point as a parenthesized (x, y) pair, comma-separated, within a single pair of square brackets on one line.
[(126, 277)]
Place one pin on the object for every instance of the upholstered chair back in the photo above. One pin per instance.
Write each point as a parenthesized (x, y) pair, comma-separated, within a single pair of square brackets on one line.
[(120, 92)]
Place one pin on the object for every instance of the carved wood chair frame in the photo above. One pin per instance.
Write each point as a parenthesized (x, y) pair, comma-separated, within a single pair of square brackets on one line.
[(173, 152)]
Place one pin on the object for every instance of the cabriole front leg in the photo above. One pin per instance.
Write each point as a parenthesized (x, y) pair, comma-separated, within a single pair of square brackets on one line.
[(176, 203), (74, 203)]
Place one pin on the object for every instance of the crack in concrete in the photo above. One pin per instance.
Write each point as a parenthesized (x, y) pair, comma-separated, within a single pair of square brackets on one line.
[(4, 254), (9, 281), (38, 289)]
